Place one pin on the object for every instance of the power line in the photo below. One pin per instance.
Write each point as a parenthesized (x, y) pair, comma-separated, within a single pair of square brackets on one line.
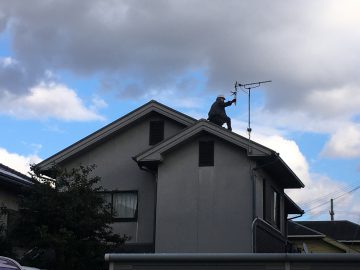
[(337, 197), (331, 194), (334, 194)]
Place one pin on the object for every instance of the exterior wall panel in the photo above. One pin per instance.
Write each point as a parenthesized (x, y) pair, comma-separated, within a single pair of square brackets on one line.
[(204, 209), (119, 171)]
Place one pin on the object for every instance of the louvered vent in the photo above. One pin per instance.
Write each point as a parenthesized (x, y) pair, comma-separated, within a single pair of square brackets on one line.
[(156, 132), (206, 153)]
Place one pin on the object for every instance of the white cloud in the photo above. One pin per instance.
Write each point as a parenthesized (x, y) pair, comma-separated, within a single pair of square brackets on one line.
[(301, 47), (336, 111), (309, 51), (18, 162), (333, 102), (344, 143), (8, 61), (289, 151), (175, 99), (319, 188), (49, 100), (98, 103)]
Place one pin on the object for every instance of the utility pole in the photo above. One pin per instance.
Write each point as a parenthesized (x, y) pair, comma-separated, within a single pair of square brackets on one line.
[(331, 212)]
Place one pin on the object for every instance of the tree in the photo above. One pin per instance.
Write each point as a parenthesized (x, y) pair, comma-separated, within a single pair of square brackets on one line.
[(65, 221)]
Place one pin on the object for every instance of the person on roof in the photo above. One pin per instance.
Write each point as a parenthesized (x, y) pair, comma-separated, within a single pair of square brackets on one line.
[(217, 114)]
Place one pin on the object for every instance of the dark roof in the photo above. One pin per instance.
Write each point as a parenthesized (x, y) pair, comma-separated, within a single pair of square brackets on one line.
[(267, 159), (341, 230), (110, 129), (275, 165), (297, 230), (12, 177)]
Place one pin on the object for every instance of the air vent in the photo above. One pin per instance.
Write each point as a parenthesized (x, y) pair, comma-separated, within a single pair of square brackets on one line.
[(206, 153), (156, 132)]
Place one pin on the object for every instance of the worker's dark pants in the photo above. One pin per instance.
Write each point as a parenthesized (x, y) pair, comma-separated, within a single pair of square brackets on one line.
[(220, 120)]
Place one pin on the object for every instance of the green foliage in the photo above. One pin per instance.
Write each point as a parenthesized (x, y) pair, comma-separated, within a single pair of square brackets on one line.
[(66, 221)]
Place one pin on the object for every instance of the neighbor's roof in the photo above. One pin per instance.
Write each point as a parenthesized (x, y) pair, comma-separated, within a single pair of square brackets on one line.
[(296, 230), (110, 129), (12, 177), (340, 230), (267, 159)]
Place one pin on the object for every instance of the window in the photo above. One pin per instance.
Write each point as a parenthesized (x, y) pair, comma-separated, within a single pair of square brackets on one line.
[(206, 153), (271, 205), (124, 204), (276, 208), (265, 202), (156, 133)]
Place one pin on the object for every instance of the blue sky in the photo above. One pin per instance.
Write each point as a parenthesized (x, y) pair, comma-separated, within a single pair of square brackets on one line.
[(68, 68)]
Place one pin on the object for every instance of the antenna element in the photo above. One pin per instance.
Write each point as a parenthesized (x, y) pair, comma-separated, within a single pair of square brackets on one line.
[(247, 89)]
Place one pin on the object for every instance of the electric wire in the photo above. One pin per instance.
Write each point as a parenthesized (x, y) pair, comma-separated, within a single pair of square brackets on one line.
[(334, 198), (308, 211), (327, 196), (331, 194)]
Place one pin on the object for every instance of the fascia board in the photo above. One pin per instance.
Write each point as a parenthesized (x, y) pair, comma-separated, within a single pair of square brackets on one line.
[(113, 127), (8, 175), (14, 181), (154, 157), (338, 244), (291, 171), (305, 236), (202, 125), (348, 241), (291, 202)]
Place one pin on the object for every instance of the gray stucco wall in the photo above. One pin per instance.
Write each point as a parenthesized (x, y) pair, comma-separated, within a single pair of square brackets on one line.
[(204, 209), (115, 165), (261, 178)]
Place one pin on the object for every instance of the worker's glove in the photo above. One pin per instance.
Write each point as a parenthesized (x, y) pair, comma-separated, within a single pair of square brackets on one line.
[(234, 100)]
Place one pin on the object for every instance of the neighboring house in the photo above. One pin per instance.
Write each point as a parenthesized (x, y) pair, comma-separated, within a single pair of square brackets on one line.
[(11, 185), (325, 236), (177, 184)]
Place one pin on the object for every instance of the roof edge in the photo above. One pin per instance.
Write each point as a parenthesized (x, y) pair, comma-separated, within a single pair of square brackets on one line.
[(201, 125), (114, 126)]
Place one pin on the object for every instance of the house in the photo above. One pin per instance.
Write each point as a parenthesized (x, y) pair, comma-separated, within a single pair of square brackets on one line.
[(340, 236), (12, 183), (177, 184)]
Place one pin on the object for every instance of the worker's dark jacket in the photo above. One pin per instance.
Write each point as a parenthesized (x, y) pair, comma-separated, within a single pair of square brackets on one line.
[(218, 109)]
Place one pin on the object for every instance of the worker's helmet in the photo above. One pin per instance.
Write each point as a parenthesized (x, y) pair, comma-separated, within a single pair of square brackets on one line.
[(221, 96)]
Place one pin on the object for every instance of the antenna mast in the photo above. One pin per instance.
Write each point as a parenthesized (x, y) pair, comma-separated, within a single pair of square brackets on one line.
[(247, 89)]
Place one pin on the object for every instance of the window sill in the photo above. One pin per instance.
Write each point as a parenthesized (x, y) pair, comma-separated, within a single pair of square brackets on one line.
[(117, 220)]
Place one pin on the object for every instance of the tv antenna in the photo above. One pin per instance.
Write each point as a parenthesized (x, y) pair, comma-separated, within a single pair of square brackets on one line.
[(247, 89)]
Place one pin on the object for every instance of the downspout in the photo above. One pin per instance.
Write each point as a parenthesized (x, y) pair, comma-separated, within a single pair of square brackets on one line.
[(142, 167), (253, 178), (254, 215)]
